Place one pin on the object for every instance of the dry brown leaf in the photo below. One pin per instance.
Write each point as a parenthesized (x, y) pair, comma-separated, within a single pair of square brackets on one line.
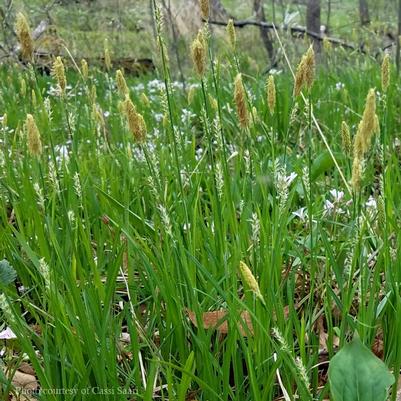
[(23, 397), (378, 347), (217, 320), (24, 381), (323, 336), (26, 368)]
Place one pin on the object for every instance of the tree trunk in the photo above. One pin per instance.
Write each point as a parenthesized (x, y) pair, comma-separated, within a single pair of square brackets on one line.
[(328, 17), (364, 12), (313, 19), (264, 32)]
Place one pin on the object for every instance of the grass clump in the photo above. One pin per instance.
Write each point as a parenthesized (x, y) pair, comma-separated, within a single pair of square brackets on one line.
[(134, 219)]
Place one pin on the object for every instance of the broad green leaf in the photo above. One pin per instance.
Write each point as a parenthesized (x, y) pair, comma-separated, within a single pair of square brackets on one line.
[(7, 273), (324, 163), (356, 374)]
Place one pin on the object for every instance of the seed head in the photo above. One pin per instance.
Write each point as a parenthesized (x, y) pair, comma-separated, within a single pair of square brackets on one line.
[(24, 37), (255, 116), (22, 87), (107, 57), (309, 67), (327, 46), (97, 115), (249, 280), (240, 101), (45, 272), (368, 125), (369, 113), (136, 122), (386, 72), (299, 77), (59, 73), (33, 97), (198, 51), (145, 100), (232, 37), (93, 94), (356, 174), (33, 136), (204, 7), (141, 133), (346, 138), (359, 143), (381, 212), (191, 94), (213, 102), (376, 129), (305, 74), (271, 94), (121, 83), (84, 69)]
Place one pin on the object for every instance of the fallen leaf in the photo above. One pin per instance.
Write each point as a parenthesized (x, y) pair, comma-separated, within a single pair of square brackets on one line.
[(24, 381), (323, 336), (217, 320), (26, 368)]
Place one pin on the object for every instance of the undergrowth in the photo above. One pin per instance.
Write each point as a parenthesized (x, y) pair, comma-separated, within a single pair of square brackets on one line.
[(122, 245)]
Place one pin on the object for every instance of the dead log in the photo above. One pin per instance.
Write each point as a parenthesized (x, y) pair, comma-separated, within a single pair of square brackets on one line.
[(130, 65)]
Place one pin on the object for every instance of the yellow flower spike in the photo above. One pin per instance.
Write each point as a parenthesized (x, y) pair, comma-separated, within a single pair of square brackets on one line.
[(346, 138), (271, 94), (33, 136), (205, 9), (250, 281), (58, 72), (385, 71), (232, 37), (240, 101), (24, 37), (121, 83), (198, 51), (84, 69)]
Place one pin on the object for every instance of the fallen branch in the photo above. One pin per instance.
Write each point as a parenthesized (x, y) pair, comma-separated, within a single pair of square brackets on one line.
[(294, 30)]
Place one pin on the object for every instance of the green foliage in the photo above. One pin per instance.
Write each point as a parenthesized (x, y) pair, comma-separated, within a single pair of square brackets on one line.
[(7, 274), (357, 374), (122, 248)]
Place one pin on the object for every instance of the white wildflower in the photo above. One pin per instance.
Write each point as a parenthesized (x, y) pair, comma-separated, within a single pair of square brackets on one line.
[(337, 195), (301, 213)]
